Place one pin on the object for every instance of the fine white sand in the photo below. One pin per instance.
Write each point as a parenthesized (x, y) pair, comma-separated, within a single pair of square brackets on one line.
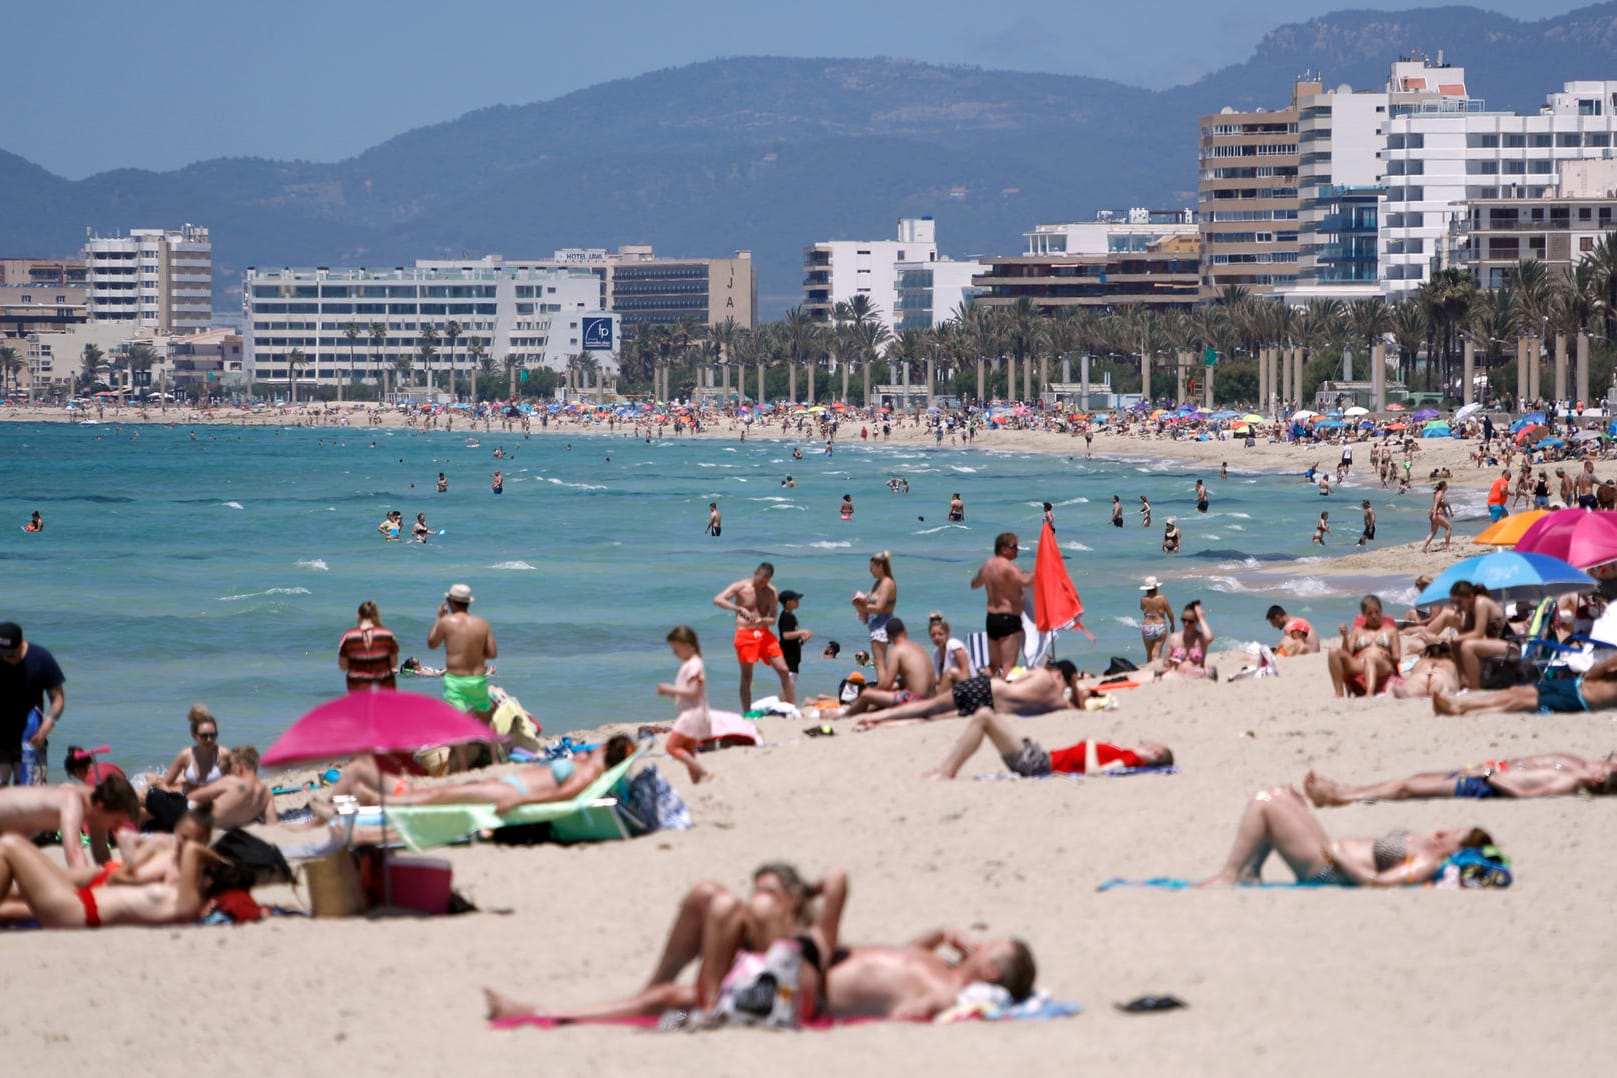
[(1327, 981)]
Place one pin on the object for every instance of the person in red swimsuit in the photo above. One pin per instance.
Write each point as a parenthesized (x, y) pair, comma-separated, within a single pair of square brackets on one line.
[(1023, 756), (56, 902)]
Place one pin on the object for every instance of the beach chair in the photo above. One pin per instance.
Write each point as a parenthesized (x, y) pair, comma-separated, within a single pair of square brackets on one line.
[(584, 818), (978, 651)]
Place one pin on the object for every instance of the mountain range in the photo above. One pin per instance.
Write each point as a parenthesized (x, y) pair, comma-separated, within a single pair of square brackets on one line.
[(771, 154)]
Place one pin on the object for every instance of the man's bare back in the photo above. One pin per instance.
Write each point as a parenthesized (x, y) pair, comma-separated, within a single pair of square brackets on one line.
[(467, 640), (28, 810), (911, 668), (891, 982), (1004, 582)]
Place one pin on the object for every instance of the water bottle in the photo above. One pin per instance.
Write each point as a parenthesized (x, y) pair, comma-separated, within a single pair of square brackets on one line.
[(31, 759)]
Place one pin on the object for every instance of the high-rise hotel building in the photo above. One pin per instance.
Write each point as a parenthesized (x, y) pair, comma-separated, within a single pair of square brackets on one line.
[(1246, 205), (153, 278)]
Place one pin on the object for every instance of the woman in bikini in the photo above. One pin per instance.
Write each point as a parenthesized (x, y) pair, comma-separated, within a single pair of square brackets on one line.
[(204, 761), (56, 900), (1439, 515), (1368, 656), (1279, 820), (717, 929), (1156, 618), (1482, 631), (875, 607), (1434, 672), (554, 780), (1187, 649)]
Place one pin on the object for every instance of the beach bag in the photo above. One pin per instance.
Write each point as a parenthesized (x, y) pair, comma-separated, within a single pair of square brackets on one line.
[(762, 993), (650, 804), (850, 689), (252, 854), (1472, 867), (1119, 665)]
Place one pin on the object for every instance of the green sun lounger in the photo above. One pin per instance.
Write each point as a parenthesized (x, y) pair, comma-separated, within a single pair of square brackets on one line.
[(587, 817)]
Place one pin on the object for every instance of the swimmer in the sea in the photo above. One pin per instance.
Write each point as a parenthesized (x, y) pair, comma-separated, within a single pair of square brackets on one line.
[(715, 524), (419, 531), (498, 485)]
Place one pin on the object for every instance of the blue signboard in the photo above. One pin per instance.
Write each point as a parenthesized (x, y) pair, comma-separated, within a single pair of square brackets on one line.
[(598, 334)]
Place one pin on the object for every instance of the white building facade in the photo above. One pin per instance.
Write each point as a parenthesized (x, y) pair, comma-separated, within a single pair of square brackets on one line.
[(1440, 156), (838, 270), (153, 278), (541, 318), (928, 294)]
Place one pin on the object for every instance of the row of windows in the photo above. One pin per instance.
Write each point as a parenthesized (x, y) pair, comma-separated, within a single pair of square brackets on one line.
[(1538, 167), (1250, 215), (1274, 149), (1264, 257)]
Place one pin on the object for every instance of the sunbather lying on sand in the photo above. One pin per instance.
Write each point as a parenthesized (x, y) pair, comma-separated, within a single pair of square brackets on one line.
[(1594, 691), (1046, 689), (240, 797), (1024, 756), (529, 784), (714, 927), (57, 902), (1278, 820), (143, 858), (1551, 774), (914, 981)]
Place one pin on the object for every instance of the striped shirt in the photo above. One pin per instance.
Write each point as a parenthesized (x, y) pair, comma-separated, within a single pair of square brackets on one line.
[(371, 655)]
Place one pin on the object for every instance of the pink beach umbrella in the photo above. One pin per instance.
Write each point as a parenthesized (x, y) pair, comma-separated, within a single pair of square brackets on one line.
[(1573, 535), (375, 722)]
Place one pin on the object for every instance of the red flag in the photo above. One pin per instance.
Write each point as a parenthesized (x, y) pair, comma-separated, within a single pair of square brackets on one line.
[(1055, 601)]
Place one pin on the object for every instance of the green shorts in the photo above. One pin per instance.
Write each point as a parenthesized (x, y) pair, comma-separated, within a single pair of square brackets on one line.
[(468, 692)]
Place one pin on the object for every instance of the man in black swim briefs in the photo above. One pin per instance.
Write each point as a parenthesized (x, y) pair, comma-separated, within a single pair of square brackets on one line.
[(1005, 584)]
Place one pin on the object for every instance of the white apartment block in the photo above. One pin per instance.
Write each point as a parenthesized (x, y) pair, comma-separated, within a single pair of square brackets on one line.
[(930, 293), (158, 279), (540, 317), (1440, 156), (838, 270), (1132, 232)]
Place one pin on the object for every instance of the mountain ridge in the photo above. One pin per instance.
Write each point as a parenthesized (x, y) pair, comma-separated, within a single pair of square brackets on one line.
[(771, 154)]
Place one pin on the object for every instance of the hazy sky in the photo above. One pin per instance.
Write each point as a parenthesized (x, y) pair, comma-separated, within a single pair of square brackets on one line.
[(100, 84)]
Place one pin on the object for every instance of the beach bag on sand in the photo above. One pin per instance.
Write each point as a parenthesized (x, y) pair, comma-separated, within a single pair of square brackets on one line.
[(1120, 665), (1472, 867), (850, 688), (761, 992), (650, 804)]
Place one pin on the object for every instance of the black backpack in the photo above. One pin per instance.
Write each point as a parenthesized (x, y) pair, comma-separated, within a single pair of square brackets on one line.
[(258, 861)]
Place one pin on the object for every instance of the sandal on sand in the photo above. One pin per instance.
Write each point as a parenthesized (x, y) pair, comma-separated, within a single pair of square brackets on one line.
[(1150, 1004), (822, 730)]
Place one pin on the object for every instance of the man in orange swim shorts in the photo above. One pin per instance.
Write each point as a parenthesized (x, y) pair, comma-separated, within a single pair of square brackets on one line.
[(756, 603)]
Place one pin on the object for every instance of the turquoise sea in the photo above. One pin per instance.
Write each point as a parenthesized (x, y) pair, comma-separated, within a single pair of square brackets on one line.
[(222, 565)]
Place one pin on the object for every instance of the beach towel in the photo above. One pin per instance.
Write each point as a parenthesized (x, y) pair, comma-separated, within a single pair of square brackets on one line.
[(1112, 772), (1039, 1007), (423, 827)]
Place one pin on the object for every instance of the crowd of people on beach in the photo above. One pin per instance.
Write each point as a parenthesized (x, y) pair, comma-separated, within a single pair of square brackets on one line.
[(136, 850)]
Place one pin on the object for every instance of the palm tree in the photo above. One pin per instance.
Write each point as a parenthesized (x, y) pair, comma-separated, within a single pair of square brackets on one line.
[(1371, 321), (378, 342), (452, 332), (511, 365), (1409, 331), (11, 364), (352, 332), (427, 347), (294, 359), (141, 358), (477, 352), (402, 365), (91, 359)]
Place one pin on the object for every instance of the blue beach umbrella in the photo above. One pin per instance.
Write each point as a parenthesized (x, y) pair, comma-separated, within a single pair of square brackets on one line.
[(1509, 574), (1224, 414), (1551, 443)]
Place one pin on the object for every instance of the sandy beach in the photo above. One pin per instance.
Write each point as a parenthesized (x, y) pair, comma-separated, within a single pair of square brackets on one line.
[(1330, 980), (1270, 976)]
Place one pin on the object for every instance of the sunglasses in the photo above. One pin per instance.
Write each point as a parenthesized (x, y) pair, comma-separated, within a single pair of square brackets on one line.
[(208, 737)]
